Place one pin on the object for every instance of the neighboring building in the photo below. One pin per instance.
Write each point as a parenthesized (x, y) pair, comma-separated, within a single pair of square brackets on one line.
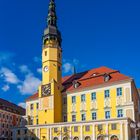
[(98, 104), (10, 116)]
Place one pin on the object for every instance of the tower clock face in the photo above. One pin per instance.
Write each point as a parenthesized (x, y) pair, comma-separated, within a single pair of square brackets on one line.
[(46, 90), (46, 68)]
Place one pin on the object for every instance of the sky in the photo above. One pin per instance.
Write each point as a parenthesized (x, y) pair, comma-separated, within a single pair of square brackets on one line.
[(95, 33)]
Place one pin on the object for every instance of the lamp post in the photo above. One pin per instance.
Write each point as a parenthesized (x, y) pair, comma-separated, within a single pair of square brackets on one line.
[(135, 126)]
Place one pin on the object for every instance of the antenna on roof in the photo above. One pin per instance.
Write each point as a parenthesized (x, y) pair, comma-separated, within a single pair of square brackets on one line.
[(74, 70)]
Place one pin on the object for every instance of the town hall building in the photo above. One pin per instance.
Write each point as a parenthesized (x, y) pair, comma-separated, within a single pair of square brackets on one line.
[(98, 104)]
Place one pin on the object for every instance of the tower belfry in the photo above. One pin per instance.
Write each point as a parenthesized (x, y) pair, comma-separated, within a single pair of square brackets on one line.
[(50, 89)]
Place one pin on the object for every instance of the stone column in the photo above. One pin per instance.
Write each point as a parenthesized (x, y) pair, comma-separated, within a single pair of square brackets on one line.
[(47, 133), (93, 132), (60, 133), (39, 133), (70, 132), (50, 134), (81, 132), (107, 132), (121, 131), (126, 131)]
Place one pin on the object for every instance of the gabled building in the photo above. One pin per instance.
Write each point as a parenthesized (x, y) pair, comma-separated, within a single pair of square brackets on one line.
[(98, 104), (10, 116)]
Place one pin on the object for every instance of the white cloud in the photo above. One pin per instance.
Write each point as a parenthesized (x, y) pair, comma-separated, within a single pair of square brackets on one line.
[(39, 70), (24, 69), (70, 66), (23, 105), (6, 56), (5, 88), (29, 85), (67, 67), (75, 61), (9, 76), (37, 59)]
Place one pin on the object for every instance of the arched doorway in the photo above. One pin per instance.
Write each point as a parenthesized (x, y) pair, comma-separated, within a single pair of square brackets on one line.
[(76, 138), (87, 138), (114, 138), (65, 138), (55, 138), (101, 137)]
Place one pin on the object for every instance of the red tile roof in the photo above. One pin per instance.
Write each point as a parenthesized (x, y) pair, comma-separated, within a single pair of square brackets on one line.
[(33, 97), (87, 79), (11, 107)]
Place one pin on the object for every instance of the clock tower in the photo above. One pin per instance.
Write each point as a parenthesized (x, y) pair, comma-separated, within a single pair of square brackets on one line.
[(50, 89)]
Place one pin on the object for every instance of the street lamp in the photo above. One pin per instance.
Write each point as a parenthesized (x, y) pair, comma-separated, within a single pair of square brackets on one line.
[(135, 126)]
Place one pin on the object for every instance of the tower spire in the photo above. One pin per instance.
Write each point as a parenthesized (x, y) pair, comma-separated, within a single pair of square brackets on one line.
[(52, 18), (52, 33)]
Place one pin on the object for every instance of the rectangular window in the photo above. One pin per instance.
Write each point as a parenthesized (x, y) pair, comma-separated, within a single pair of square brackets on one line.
[(83, 98), (45, 53), (114, 126), (37, 105), (64, 100), (25, 131), (37, 121), (59, 68), (107, 114), (87, 128), (32, 106), (100, 127), (75, 128), (18, 132), (55, 130), (83, 116), (119, 91), (120, 113), (65, 129), (107, 94), (65, 118), (31, 122), (73, 118), (94, 116), (93, 96), (73, 99)]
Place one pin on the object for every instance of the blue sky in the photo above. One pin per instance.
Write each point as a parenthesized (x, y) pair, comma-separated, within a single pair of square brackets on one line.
[(95, 33)]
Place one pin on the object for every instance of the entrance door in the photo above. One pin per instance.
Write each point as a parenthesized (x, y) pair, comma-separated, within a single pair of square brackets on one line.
[(100, 138), (114, 138)]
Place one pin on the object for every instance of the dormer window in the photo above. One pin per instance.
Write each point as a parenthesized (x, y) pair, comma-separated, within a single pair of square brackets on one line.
[(107, 77), (95, 74), (76, 84)]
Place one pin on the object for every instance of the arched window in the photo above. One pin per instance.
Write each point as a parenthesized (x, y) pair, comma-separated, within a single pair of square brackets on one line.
[(76, 138), (101, 137), (55, 138), (87, 138), (65, 138), (114, 138)]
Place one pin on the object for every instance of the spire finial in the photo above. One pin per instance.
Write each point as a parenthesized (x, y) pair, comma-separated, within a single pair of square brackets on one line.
[(74, 70), (52, 18)]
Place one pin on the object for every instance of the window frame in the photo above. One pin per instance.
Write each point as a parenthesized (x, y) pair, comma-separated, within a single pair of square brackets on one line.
[(31, 106), (73, 118), (93, 96), (94, 115), (107, 114), (73, 98), (113, 126), (107, 93), (119, 91), (83, 98), (83, 117), (120, 113)]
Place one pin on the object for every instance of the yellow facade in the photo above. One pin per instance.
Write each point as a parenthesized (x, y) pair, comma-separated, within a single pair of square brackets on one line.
[(102, 112)]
